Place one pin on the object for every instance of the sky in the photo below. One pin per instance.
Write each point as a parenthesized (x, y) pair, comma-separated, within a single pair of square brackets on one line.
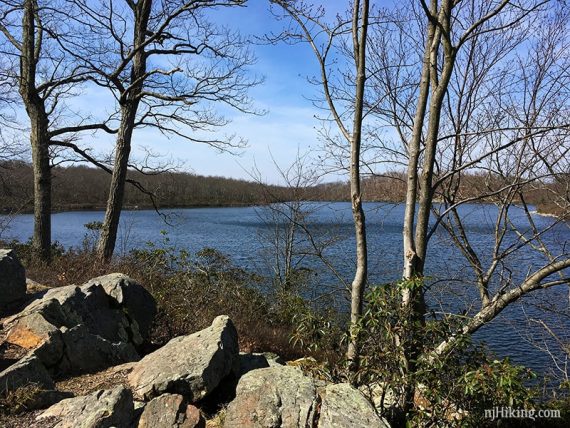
[(288, 128)]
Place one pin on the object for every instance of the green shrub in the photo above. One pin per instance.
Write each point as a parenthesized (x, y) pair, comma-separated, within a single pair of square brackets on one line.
[(451, 389)]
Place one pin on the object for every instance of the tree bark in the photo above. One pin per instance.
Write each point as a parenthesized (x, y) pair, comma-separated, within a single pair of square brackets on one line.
[(42, 181), (108, 237), (39, 137), (412, 170), (129, 101), (361, 274), (415, 239)]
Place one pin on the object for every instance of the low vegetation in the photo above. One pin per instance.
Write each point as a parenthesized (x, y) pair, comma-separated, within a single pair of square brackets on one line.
[(191, 289)]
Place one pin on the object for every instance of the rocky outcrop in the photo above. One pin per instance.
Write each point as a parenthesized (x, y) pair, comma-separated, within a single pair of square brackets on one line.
[(279, 396), (82, 329), (77, 329), (102, 409), (170, 411), (190, 365), (12, 278), (344, 406)]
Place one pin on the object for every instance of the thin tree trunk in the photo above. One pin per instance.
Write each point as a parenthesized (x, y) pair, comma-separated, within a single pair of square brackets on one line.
[(108, 237), (415, 244), (412, 172), (439, 86)]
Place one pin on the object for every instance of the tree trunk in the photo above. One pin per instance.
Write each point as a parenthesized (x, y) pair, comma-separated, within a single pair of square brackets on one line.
[(39, 136), (410, 256), (42, 183), (129, 101), (361, 274), (108, 237), (415, 244)]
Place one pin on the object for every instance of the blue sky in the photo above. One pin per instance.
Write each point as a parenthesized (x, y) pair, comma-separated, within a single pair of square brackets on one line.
[(288, 127)]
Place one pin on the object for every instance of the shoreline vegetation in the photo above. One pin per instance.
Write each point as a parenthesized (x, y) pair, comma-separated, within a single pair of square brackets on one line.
[(81, 188), (280, 321)]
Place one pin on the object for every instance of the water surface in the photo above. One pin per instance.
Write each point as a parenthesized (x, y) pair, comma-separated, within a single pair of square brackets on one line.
[(247, 234)]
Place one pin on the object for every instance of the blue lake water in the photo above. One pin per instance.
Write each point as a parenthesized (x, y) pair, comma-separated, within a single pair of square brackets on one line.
[(247, 234)]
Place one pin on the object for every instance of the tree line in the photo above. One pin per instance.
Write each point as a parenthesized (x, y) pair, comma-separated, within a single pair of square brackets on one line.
[(79, 187)]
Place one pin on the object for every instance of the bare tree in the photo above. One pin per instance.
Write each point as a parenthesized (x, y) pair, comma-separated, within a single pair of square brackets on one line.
[(347, 112), (296, 243), (166, 67), (525, 150), (488, 100), (44, 76)]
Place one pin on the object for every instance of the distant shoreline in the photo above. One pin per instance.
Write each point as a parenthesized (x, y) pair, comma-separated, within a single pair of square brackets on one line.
[(85, 208), (543, 214), (100, 208)]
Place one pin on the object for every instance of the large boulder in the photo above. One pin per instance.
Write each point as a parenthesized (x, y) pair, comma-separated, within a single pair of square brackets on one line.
[(87, 352), (273, 397), (190, 365), (133, 298), (170, 411), (344, 406), (114, 307), (28, 371), (12, 278), (101, 409)]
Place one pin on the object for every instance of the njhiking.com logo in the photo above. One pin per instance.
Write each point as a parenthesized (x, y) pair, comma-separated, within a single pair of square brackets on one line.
[(510, 413)]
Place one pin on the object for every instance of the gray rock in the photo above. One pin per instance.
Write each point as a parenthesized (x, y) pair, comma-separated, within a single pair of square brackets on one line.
[(81, 329), (101, 409), (29, 370), (33, 333), (50, 309), (12, 278), (279, 396), (249, 362), (101, 316), (190, 365), (344, 406), (135, 300), (91, 306), (170, 411), (87, 352)]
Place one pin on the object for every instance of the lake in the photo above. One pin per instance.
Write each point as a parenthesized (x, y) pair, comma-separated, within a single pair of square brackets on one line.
[(247, 235)]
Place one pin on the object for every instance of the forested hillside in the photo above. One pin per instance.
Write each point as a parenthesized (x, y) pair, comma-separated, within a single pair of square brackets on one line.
[(85, 188)]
